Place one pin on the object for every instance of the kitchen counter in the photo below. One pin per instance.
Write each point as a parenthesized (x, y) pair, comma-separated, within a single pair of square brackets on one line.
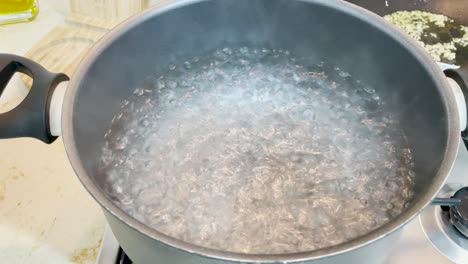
[(46, 216)]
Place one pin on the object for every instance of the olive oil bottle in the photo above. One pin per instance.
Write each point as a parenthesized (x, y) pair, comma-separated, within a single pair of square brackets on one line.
[(13, 11)]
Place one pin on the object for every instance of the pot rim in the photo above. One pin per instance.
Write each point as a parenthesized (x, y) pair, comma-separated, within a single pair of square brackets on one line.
[(344, 7)]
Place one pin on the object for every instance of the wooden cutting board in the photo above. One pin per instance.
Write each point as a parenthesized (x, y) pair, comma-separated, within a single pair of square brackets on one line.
[(62, 49)]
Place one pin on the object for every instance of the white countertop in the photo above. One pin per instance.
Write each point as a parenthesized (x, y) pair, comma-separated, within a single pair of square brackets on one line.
[(46, 216)]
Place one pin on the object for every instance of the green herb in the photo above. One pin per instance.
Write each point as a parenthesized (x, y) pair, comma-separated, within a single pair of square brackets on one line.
[(444, 38)]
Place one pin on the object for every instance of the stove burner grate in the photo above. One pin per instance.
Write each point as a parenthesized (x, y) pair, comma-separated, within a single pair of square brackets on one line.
[(122, 258), (459, 213)]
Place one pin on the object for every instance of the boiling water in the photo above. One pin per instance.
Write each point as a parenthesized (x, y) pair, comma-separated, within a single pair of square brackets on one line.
[(255, 151)]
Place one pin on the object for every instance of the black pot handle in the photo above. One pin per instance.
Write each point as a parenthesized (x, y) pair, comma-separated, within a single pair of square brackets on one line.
[(31, 117)]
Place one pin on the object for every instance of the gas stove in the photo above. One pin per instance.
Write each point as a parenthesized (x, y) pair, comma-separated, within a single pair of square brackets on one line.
[(440, 233), (434, 237)]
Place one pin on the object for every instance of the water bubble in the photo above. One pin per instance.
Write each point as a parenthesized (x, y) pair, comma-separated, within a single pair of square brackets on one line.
[(161, 84), (144, 122), (118, 117), (171, 84), (343, 74), (106, 158), (369, 90), (227, 51), (247, 147), (126, 200), (139, 92), (221, 56), (244, 62), (244, 50), (187, 65), (118, 189), (121, 143)]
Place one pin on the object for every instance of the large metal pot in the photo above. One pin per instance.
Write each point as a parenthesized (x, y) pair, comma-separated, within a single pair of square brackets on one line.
[(358, 41)]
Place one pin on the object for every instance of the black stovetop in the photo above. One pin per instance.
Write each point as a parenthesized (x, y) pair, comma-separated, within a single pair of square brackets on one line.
[(122, 258)]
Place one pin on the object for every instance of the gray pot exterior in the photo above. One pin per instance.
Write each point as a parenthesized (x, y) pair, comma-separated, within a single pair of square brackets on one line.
[(145, 250), (322, 28)]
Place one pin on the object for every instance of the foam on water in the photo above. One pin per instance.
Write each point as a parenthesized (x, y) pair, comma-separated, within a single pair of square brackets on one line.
[(256, 151)]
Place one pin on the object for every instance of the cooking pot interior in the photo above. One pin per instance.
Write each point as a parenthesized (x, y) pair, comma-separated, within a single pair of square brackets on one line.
[(341, 37)]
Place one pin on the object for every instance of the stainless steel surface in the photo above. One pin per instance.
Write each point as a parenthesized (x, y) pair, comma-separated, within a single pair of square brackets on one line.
[(446, 201), (109, 248), (188, 27), (458, 214), (429, 239), (440, 231), (414, 247)]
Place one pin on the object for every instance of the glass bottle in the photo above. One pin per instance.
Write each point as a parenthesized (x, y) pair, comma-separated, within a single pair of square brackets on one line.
[(13, 11)]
